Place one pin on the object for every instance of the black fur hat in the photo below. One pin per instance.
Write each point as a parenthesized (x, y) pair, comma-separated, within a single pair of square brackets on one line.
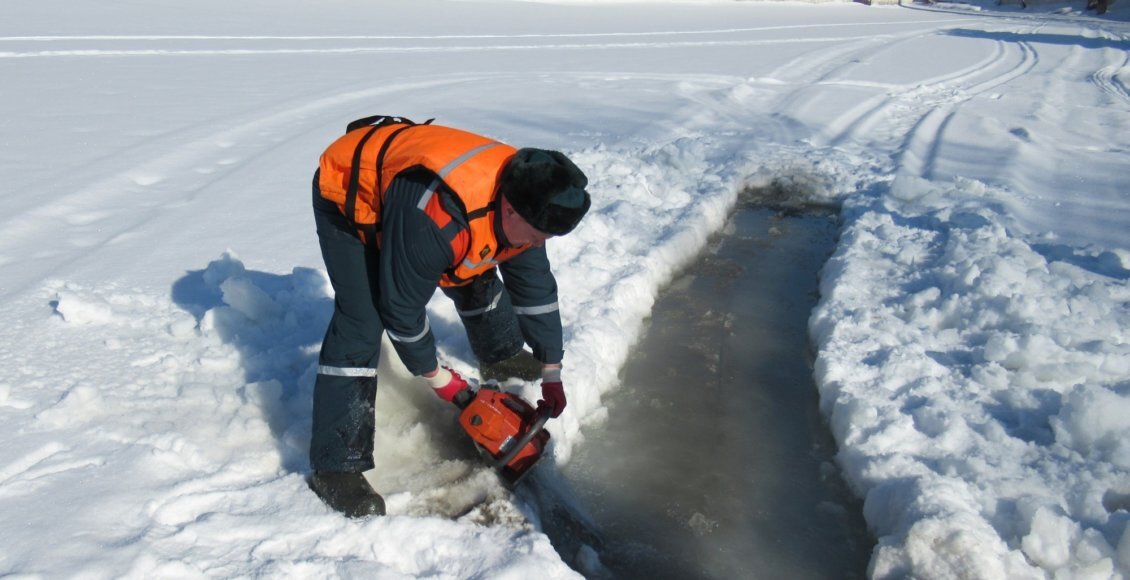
[(546, 189)]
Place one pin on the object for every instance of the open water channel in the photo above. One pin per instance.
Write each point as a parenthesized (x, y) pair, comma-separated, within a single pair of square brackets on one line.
[(715, 461)]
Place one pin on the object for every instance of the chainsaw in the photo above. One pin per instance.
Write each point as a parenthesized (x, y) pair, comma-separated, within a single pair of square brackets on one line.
[(507, 430)]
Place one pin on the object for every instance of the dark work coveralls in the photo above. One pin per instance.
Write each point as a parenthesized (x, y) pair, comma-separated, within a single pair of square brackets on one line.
[(387, 291)]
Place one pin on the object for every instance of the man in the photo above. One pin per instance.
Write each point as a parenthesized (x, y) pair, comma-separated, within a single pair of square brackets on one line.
[(401, 209)]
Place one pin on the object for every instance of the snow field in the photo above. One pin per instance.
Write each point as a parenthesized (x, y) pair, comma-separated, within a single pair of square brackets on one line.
[(971, 338)]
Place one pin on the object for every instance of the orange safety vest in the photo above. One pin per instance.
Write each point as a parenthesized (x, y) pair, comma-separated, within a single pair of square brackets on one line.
[(356, 170)]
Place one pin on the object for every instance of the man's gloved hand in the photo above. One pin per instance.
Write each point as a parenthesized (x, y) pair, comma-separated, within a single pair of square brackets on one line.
[(447, 384), (552, 391)]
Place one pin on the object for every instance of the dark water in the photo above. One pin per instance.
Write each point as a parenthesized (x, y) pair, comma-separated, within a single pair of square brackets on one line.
[(715, 461)]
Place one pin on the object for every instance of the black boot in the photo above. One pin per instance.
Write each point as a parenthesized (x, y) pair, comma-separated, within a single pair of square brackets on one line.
[(522, 365), (348, 493)]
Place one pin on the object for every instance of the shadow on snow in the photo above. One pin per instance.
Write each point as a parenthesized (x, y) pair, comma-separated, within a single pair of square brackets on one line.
[(276, 324)]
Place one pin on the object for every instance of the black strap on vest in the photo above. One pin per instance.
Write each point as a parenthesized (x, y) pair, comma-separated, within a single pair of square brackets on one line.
[(374, 122), (381, 155), (478, 213), (355, 177), (381, 121)]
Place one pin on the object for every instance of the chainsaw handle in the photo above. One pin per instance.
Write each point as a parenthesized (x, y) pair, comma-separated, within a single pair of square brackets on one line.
[(520, 444)]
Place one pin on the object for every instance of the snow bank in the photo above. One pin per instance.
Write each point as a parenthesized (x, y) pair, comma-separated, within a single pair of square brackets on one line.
[(977, 385), (178, 446)]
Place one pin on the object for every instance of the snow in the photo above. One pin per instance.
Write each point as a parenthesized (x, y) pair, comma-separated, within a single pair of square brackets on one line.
[(163, 296)]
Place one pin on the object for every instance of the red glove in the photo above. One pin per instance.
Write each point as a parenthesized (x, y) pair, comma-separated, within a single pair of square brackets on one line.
[(447, 384), (552, 397)]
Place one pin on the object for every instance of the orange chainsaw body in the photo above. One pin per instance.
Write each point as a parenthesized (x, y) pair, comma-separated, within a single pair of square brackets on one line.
[(497, 421)]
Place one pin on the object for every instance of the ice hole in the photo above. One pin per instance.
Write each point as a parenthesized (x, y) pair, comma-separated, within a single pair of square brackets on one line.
[(715, 461)]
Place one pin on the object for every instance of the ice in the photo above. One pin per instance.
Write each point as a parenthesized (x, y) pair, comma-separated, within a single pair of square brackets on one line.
[(711, 462)]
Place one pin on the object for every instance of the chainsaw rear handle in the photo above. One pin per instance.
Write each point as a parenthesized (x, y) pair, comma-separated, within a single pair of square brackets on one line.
[(517, 446)]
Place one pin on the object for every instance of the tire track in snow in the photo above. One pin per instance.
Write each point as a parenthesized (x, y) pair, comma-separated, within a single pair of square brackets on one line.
[(863, 119), (947, 91), (1028, 61), (432, 43), (910, 119), (212, 38), (424, 48), (919, 151), (816, 71), (817, 65), (161, 182), (130, 160), (1028, 170), (13, 471), (98, 37), (1112, 78), (1079, 92)]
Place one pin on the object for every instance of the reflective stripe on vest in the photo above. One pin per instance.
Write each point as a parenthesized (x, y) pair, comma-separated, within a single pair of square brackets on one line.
[(447, 169)]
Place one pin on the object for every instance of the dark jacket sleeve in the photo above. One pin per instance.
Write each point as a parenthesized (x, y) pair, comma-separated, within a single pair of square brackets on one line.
[(533, 291), (413, 256)]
